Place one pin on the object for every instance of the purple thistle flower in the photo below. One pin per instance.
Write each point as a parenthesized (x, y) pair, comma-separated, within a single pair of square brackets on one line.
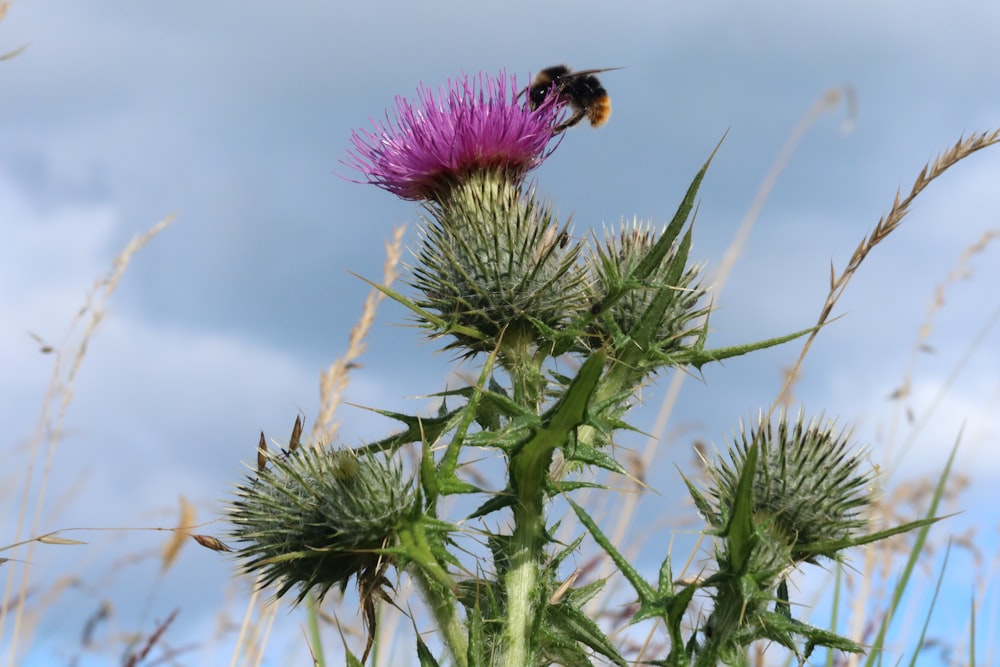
[(471, 125)]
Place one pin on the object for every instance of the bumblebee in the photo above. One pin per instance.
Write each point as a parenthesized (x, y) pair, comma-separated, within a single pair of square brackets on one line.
[(581, 91)]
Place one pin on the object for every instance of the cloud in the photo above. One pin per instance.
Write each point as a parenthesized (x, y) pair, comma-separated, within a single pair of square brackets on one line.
[(235, 118)]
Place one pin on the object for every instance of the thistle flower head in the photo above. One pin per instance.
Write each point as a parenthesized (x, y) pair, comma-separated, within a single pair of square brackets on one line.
[(493, 264), (651, 308), (809, 490), (473, 124), (319, 516)]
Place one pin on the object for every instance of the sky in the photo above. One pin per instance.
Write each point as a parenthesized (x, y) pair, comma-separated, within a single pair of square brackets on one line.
[(235, 116)]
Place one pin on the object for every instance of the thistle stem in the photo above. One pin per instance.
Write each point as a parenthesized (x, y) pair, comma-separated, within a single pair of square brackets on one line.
[(528, 469), (518, 359), (521, 583)]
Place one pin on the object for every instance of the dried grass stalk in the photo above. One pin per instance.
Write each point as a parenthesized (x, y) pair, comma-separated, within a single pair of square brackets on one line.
[(889, 223), (335, 379)]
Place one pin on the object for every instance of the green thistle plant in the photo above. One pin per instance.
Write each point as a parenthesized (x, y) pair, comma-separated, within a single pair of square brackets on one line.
[(497, 274), (785, 495)]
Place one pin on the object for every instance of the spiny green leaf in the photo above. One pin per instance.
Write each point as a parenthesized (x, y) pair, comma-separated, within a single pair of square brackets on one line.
[(699, 357), (424, 654), (701, 503), (739, 532), (418, 429), (498, 501), (586, 454), (569, 620), (653, 259), (642, 588), (530, 460), (827, 548)]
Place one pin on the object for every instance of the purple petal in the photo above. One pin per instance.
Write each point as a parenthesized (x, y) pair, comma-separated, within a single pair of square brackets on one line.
[(471, 125)]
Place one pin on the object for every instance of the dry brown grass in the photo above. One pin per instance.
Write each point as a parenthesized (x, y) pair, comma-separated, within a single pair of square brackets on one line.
[(43, 448), (869, 586), (44, 444), (886, 225), (4, 6), (888, 551), (258, 620), (626, 505), (960, 272), (334, 380)]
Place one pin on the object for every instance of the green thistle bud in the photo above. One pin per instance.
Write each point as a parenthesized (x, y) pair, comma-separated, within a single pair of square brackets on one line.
[(318, 517), (803, 498), (654, 313), (809, 491), (494, 263)]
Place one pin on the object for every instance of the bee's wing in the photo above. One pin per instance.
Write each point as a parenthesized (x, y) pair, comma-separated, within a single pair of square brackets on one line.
[(585, 72)]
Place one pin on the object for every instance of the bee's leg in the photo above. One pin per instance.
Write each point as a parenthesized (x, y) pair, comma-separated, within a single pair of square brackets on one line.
[(577, 116)]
